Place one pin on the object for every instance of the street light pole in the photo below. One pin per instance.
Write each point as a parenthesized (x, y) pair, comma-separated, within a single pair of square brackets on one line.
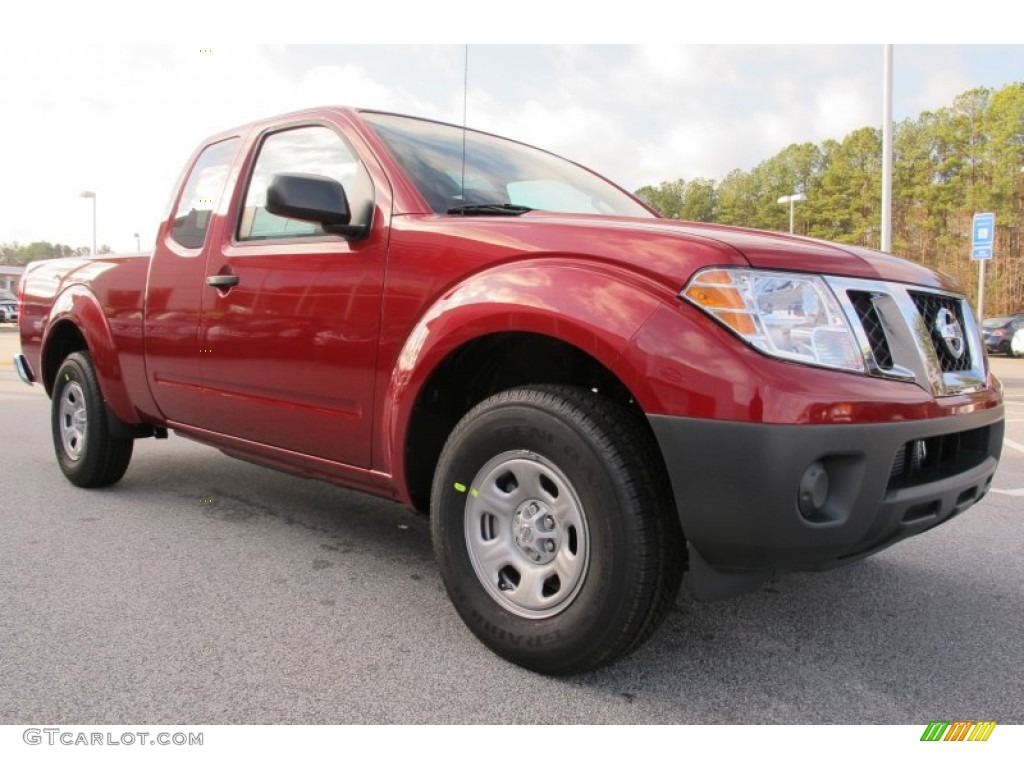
[(138, 245), (92, 196), (886, 244), (798, 197)]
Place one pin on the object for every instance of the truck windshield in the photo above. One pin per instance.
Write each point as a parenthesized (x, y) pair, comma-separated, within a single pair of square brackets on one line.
[(498, 176)]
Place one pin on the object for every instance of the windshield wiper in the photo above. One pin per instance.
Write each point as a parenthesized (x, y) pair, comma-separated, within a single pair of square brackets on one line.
[(489, 209)]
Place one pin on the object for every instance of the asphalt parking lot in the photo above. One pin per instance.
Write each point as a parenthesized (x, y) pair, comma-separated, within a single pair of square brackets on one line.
[(205, 590)]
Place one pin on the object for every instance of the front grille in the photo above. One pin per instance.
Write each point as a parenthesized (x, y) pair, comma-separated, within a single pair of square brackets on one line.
[(864, 304), (929, 305), (899, 329)]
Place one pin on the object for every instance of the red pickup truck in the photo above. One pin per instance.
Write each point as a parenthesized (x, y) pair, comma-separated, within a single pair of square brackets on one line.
[(588, 399)]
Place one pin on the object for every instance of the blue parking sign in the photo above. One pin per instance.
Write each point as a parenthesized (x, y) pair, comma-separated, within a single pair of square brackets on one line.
[(983, 236)]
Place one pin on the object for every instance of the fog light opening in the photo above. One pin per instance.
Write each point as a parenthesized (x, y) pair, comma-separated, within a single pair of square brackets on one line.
[(813, 492)]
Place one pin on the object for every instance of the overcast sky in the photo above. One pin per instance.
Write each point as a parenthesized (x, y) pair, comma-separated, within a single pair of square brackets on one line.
[(122, 120)]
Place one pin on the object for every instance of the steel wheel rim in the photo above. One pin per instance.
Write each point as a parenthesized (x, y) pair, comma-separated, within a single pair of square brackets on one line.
[(526, 534), (74, 420)]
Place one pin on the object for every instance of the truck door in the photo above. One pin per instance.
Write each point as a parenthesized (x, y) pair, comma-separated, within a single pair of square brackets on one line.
[(291, 314), (174, 289)]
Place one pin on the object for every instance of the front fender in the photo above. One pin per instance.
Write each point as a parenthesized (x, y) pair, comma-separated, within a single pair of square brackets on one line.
[(595, 308), (80, 307)]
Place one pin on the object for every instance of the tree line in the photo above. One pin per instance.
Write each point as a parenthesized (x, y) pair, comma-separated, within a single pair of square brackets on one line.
[(947, 166), (16, 254)]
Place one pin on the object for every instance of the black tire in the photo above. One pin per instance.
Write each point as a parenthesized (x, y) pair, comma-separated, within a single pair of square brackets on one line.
[(554, 528), (88, 454)]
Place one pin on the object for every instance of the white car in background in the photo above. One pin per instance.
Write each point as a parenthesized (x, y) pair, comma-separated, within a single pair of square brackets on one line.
[(1017, 343)]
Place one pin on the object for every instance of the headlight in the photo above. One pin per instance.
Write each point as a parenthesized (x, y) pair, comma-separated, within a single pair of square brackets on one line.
[(788, 315)]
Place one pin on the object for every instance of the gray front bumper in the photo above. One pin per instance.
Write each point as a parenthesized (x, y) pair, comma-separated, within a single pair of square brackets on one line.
[(737, 486)]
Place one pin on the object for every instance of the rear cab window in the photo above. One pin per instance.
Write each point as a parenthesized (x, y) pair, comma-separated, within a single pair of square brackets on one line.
[(202, 194)]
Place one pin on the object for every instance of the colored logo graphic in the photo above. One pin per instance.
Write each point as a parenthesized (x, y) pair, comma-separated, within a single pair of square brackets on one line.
[(958, 730)]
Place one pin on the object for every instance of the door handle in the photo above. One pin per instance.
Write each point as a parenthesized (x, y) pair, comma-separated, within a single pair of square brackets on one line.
[(222, 281)]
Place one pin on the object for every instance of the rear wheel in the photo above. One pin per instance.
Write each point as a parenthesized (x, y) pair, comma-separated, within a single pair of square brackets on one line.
[(88, 454), (554, 530)]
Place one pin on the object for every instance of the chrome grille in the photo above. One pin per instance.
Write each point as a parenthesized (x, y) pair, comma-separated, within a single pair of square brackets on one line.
[(864, 305), (929, 305), (897, 330)]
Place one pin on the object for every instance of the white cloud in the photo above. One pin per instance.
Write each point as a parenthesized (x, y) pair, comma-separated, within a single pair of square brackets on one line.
[(842, 106), (686, 151), (939, 90), (580, 133), (673, 63), (123, 122)]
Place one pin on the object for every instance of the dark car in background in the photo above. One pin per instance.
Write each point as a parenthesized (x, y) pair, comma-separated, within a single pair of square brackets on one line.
[(998, 333), (8, 307)]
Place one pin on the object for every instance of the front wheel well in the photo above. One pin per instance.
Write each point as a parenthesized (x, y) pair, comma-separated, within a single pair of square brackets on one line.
[(486, 366)]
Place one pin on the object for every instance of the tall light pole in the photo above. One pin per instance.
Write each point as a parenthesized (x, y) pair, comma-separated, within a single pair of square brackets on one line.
[(798, 197), (92, 196), (138, 245), (886, 244)]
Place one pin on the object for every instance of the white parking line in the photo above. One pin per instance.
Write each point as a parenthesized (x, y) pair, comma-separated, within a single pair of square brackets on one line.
[(1012, 444), (1011, 492)]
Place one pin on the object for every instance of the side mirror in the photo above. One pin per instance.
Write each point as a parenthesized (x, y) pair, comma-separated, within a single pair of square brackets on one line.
[(308, 197)]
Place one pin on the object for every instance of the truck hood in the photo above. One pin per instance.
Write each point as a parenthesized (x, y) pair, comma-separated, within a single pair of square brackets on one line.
[(774, 250), (670, 251)]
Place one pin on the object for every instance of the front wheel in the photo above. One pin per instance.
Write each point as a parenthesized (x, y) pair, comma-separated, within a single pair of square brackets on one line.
[(88, 454), (554, 529)]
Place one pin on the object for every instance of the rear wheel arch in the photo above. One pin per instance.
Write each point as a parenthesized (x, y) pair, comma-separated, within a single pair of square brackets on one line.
[(78, 323), (63, 339)]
